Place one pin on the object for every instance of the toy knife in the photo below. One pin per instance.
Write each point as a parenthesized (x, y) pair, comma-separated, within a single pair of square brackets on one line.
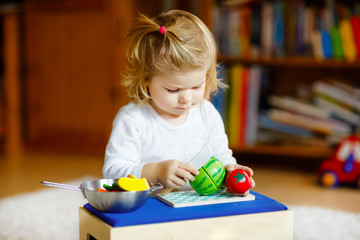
[(201, 157)]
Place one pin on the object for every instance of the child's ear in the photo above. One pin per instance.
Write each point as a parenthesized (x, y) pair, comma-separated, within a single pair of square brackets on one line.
[(147, 82)]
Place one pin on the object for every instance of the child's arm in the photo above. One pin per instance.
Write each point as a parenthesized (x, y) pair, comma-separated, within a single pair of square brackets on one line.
[(170, 173)]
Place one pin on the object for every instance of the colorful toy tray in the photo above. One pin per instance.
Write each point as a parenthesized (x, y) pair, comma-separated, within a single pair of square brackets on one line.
[(192, 198)]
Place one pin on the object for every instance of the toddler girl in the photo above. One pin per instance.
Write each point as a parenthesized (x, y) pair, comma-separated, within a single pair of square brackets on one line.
[(170, 75)]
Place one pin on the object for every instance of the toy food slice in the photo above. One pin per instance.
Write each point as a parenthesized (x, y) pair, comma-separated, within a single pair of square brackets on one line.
[(113, 188), (107, 187), (130, 184), (131, 176), (116, 188), (102, 190)]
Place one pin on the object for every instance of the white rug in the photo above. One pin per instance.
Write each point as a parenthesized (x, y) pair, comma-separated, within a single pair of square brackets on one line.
[(313, 223), (47, 214), (52, 214)]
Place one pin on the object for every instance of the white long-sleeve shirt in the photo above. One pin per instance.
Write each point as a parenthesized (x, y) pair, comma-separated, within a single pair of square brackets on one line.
[(141, 136)]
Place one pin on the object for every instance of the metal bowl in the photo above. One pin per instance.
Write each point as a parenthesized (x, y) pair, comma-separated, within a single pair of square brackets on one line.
[(115, 202)]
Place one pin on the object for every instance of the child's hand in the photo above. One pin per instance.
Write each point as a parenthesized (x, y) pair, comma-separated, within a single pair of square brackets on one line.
[(171, 173), (232, 167)]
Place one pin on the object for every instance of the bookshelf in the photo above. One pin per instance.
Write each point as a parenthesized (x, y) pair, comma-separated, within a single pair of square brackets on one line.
[(290, 64)]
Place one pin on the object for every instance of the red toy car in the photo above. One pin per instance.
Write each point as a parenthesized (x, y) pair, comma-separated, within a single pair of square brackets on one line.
[(344, 166)]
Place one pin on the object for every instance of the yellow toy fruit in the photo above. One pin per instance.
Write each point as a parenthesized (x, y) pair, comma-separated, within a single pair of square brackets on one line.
[(133, 184), (131, 176)]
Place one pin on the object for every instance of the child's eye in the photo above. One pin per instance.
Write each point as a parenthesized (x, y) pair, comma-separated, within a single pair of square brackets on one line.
[(172, 90), (198, 86)]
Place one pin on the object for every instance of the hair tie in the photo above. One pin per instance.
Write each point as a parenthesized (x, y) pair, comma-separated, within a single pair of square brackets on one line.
[(162, 30)]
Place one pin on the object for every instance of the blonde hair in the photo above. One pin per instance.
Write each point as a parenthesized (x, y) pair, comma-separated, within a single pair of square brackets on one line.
[(186, 44)]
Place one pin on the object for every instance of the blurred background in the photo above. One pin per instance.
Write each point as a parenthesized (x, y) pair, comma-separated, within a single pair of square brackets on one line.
[(60, 73)]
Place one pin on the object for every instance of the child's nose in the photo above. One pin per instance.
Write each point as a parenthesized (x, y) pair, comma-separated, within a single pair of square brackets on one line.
[(185, 97)]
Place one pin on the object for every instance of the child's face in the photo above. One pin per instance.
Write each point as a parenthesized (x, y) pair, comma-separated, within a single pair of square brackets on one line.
[(174, 94)]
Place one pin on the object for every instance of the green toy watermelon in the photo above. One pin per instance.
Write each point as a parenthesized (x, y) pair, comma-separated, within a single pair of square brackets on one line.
[(211, 177)]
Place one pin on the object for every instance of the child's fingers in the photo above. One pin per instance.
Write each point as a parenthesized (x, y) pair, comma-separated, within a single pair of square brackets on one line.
[(245, 168), (178, 182), (248, 170), (252, 185), (230, 167), (189, 168), (184, 174), (246, 193)]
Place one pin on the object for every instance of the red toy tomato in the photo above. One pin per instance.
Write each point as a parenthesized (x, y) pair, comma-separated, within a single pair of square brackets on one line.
[(238, 181)]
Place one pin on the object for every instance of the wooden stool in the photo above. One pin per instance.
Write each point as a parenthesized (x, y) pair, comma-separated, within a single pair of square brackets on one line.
[(155, 220)]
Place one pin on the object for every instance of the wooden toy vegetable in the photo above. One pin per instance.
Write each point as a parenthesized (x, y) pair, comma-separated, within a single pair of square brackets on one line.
[(107, 187), (238, 181), (102, 190), (131, 184), (113, 188), (210, 179)]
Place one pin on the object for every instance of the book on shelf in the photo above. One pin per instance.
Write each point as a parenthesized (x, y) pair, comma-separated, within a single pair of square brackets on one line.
[(238, 105), (351, 90), (336, 43), (337, 111), (265, 122), (295, 105), (234, 120), (267, 25), (347, 38), (244, 105), (355, 23), (316, 42), (278, 28), (326, 44), (338, 94), (253, 104), (309, 22)]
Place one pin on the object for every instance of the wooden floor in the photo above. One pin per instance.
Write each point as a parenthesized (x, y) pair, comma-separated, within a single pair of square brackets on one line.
[(23, 173)]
